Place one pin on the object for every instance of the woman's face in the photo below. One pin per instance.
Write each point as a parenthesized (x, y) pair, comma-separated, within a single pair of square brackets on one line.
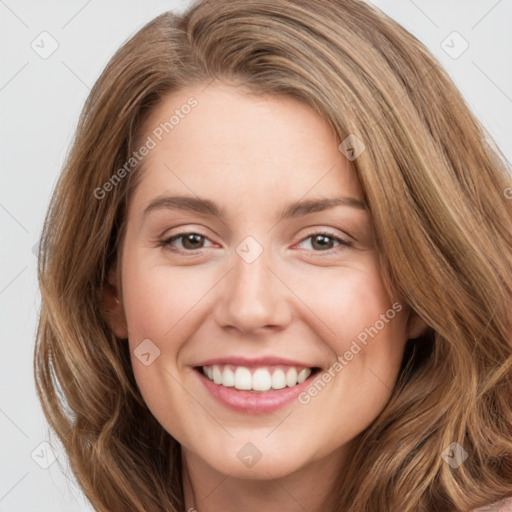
[(255, 295)]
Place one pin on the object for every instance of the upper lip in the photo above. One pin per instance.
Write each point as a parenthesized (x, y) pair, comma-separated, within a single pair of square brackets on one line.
[(257, 361)]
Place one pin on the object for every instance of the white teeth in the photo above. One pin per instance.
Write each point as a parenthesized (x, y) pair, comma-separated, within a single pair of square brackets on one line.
[(261, 379), (243, 378), (303, 375), (217, 375), (291, 377), (228, 377), (278, 379)]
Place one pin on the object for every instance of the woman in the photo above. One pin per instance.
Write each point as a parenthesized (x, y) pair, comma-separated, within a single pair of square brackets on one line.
[(275, 272)]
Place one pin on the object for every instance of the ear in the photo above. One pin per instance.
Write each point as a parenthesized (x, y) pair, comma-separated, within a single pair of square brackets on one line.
[(416, 326), (112, 305)]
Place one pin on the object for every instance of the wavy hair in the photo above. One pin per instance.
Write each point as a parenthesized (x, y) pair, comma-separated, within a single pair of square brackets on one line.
[(438, 190)]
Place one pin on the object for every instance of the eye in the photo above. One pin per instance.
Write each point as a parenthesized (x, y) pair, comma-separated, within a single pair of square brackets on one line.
[(323, 242), (191, 241)]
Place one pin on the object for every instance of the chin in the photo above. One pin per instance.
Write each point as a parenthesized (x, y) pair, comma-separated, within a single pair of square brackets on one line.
[(250, 463)]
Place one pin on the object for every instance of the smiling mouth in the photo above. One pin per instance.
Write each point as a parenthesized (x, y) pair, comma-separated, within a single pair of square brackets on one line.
[(258, 379)]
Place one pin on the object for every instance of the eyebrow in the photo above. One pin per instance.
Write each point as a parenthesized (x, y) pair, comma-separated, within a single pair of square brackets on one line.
[(207, 207)]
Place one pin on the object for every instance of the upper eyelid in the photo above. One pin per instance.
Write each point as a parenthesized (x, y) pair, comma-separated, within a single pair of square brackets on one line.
[(182, 234)]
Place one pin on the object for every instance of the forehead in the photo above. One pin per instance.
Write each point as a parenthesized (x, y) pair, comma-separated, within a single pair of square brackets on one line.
[(231, 144)]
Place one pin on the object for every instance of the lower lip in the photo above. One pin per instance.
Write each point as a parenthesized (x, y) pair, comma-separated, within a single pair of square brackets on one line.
[(254, 403)]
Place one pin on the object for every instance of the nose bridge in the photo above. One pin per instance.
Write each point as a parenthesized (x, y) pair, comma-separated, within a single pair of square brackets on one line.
[(252, 296)]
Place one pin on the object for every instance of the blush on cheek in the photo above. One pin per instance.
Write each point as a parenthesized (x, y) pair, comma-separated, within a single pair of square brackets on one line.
[(345, 310)]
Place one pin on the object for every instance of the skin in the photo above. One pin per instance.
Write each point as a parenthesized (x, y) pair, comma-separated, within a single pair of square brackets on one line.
[(253, 156)]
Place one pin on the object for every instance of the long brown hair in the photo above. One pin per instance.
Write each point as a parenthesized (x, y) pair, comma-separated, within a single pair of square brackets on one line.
[(438, 190)]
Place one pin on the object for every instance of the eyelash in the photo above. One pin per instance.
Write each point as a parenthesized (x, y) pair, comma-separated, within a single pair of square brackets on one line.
[(166, 243)]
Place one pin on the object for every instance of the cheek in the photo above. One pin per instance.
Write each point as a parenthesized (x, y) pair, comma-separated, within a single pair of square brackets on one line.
[(156, 303), (355, 316), (161, 304), (346, 301), (160, 300), (365, 331)]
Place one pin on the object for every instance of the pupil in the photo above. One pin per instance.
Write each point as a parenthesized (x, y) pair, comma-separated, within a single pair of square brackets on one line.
[(191, 239), (323, 240)]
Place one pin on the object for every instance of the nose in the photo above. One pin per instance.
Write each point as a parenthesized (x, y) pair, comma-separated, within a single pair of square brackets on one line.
[(253, 298)]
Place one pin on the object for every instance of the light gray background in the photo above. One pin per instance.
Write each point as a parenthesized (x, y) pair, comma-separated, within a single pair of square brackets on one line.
[(40, 102)]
